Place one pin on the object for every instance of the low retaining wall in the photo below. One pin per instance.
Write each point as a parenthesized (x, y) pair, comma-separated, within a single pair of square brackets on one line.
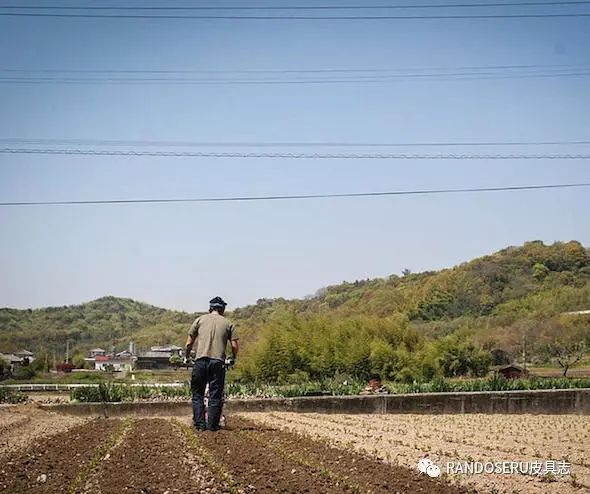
[(32, 388), (566, 401)]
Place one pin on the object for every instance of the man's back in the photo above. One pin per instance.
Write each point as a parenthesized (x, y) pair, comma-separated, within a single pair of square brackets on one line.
[(212, 332)]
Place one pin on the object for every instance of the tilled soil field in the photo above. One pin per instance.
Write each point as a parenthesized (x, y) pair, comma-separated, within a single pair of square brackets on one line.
[(22, 424), (52, 464), (167, 456), (405, 439)]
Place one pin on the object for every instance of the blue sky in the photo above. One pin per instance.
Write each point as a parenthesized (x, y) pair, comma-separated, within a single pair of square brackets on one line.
[(179, 256)]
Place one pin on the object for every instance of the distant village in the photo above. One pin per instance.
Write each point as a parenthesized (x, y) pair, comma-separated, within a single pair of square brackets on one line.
[(157, 357)]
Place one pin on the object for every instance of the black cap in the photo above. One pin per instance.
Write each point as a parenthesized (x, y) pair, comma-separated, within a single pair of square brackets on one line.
[(217, 302)]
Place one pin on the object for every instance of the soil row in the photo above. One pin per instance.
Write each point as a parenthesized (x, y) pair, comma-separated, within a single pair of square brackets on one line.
[(269, 460), (162, 456), (153, 457), (52, 464), (22, 425)]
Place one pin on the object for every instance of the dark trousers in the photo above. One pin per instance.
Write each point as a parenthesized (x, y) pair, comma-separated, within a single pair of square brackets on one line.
[(211, 371)]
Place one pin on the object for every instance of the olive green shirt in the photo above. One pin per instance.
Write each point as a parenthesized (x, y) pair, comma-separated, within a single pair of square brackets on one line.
[(212, 332)]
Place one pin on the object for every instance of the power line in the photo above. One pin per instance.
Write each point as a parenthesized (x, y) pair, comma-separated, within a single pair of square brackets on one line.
[(341, 80), (208, 154), (148, 143), (296, 197), (443, 70), (301, 7), (292, 17)]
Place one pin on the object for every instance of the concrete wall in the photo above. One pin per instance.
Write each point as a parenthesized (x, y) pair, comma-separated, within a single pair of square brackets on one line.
[(568, 401)]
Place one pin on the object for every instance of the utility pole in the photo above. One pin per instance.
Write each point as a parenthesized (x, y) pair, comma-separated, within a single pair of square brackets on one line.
[(67, 350), (524, 349)]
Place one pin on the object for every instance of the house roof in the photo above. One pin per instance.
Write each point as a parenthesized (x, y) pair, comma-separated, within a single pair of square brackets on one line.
[(511, 366), (13, 359), (96, 350), (169, 348), (102, 358), (114, 361), (160, 355), (24, 352), (578, 313)]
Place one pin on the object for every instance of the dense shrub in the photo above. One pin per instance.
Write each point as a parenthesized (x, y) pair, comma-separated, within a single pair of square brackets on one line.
[(110, 392), (495, 383), (8, 395), (65, 367), (24, 373)]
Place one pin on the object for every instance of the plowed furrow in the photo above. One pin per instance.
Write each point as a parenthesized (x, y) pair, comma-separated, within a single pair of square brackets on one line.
[(268, 460), (258, 469), (153, 458), (52, 464), (352, 469)]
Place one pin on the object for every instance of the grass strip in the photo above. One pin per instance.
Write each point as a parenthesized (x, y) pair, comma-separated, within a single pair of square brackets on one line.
[(289, 456), (207, 458), (87, 469)]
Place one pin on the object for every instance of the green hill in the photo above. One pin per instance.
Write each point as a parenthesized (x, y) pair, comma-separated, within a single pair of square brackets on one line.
[(534, 280), (101, 322), (412, 326), (399, 326)]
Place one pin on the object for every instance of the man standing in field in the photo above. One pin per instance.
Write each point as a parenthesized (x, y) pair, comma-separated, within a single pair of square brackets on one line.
[(211, 333)]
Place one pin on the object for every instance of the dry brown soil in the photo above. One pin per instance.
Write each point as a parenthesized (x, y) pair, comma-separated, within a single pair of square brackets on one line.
[(153, 457), (269, 460), (59, 458), (404, 439), (22, 424), (156, 455)]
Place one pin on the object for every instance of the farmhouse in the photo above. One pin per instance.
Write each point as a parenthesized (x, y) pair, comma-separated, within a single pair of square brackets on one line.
[(512, 371), (18, 359), (12, 360), (103, 361), (158, 357), (107, 362), (25, 354)]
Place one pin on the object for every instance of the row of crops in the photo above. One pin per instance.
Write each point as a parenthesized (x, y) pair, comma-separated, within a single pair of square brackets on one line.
[(109, 392)]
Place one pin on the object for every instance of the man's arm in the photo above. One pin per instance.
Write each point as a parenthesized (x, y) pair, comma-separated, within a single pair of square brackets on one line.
[(190, 341), (235, 348), (192, 336)]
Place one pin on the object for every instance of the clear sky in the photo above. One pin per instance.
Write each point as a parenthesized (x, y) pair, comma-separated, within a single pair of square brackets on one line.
[(180, 255)]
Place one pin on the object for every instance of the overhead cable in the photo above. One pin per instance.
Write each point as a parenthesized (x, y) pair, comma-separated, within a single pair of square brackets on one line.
[(300, 7), (296, 197), (211, 154), (271, 144), (268, 81), (262, 71), (296, 17)]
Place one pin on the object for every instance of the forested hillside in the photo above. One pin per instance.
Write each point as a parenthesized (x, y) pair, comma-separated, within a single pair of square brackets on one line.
[(474, 288), (416, 326), (97, 323)]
